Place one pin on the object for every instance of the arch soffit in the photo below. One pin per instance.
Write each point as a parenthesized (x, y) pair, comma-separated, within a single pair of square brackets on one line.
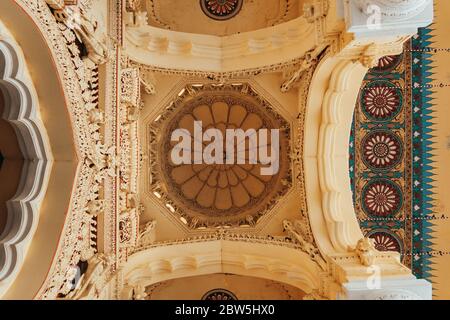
[(179, 260), (49, 141), (22, 111), (329, 113)]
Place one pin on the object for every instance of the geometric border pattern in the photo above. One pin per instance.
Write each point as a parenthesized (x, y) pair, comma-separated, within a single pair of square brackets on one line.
[(422, 162)]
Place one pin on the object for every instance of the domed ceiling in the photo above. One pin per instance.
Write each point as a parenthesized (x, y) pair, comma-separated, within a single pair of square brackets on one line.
[(221, 17), (234, 190)]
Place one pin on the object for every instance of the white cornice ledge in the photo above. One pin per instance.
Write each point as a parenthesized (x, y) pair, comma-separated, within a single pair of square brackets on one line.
[(168, 49), (379, 18)]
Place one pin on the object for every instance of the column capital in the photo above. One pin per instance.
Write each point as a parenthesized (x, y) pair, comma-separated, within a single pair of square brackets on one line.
[(398, 289), (375, 18)]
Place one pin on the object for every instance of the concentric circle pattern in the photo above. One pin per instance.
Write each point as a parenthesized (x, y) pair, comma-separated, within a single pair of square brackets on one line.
[(219, 294), (385, 241), (381, 150), (381, 198), (221, 9), (381, 100), (229, 192), (387, 64)]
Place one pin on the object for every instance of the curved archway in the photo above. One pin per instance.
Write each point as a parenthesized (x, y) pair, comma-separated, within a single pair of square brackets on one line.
[(180, 260), (21, 111), (331, 102), (28, 84)]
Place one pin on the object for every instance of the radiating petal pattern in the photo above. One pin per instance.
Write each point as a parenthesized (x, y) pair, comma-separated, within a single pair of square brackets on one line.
[(221, 9)]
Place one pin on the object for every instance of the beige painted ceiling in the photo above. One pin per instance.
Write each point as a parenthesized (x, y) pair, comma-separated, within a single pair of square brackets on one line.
[(211, 287), (188, 16)]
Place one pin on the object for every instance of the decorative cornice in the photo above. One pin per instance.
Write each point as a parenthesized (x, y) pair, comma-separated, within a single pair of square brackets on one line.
[(166, 49)]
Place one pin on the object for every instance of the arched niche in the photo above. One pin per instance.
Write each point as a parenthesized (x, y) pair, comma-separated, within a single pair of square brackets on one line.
[(36, 106)]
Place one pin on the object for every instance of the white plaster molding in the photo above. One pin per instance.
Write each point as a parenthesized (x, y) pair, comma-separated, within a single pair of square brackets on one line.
[(329, 112), (395, 9), (271, 262), (376, 18), (396, 289), (185, 51), (22, 111)]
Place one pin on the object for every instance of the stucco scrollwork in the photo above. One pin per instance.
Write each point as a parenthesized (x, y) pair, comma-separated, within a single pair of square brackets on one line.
[(96, 160), (91, 283), (147, 235), (87, 28)]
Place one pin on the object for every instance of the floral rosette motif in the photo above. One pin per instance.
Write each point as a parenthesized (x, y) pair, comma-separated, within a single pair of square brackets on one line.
[(221, 9), (381, 150), (381, 100), (381, 198)]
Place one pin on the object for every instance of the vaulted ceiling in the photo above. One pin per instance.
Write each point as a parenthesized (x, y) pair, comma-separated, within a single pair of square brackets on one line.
[(221, 17)]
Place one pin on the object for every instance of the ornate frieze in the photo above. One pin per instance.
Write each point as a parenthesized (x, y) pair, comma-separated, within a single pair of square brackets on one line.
[(80, 79)]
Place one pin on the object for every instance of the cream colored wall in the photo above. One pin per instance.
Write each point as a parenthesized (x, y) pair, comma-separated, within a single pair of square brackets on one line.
[(244, 288), (187, 16), (441, 234)]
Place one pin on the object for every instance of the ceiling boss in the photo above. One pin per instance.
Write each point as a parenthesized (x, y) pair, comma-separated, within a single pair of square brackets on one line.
[(224, 156), (221, 9)]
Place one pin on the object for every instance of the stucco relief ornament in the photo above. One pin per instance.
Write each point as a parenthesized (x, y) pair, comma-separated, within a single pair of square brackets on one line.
[(366, 252), (139, 293), (299, 234), (147, 236), (147, 80), (133, 5), (310, 59), (94, 279), (314, 295), (87, 29), (107, 157)]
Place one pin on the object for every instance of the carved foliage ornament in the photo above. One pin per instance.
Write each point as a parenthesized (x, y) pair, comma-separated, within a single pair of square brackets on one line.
[(97, 161)]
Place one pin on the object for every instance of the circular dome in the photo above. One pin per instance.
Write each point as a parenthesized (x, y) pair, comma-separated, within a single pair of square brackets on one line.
[(231, 187)]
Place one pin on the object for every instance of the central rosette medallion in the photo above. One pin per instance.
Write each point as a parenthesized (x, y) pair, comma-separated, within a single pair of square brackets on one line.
[(234, 186)]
